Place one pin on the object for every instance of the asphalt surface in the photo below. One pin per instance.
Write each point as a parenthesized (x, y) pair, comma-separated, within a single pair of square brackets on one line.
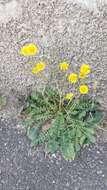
[(22, 168)]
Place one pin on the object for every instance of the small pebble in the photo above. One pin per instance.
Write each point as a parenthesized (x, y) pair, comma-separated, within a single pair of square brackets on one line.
[(99, 172)]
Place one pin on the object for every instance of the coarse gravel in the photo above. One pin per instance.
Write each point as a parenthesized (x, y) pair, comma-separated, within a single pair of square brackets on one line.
[(61, 29)]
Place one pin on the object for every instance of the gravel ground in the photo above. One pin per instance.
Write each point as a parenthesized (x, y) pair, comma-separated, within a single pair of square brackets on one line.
[(22, 168), (61, 29)]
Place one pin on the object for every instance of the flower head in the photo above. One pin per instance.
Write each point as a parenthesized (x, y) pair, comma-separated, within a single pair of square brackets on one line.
[(82, 75), (64, 66), (38, 67), (83, 89), (73, 78), (85, 70), (29, 50), (69, 96)]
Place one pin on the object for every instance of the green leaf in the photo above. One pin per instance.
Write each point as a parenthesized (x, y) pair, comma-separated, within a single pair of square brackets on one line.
[(32, 133), (74, 113), (91, 138), (43, 137), (78, 132), (58, 121), (77, 146), (73, 132), (27, 110), (2, 101), (42, 117), (82, 114), (51, 147), (35, 96), (50, 92), (90, 130), (82, 140), (68, 151), (27, 122), (97, 117)]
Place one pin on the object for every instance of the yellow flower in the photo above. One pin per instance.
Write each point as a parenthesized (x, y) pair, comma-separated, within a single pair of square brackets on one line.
[(83, 89), (38, 67), (82, 75), (64, 66), (73, 78), (85, 69), (29, 50), (69, 96)]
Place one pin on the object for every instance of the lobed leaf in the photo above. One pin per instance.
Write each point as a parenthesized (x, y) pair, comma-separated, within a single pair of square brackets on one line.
[(68, 151)]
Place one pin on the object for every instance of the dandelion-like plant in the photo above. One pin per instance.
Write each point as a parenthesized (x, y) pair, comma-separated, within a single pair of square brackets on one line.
[(62, 116)]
